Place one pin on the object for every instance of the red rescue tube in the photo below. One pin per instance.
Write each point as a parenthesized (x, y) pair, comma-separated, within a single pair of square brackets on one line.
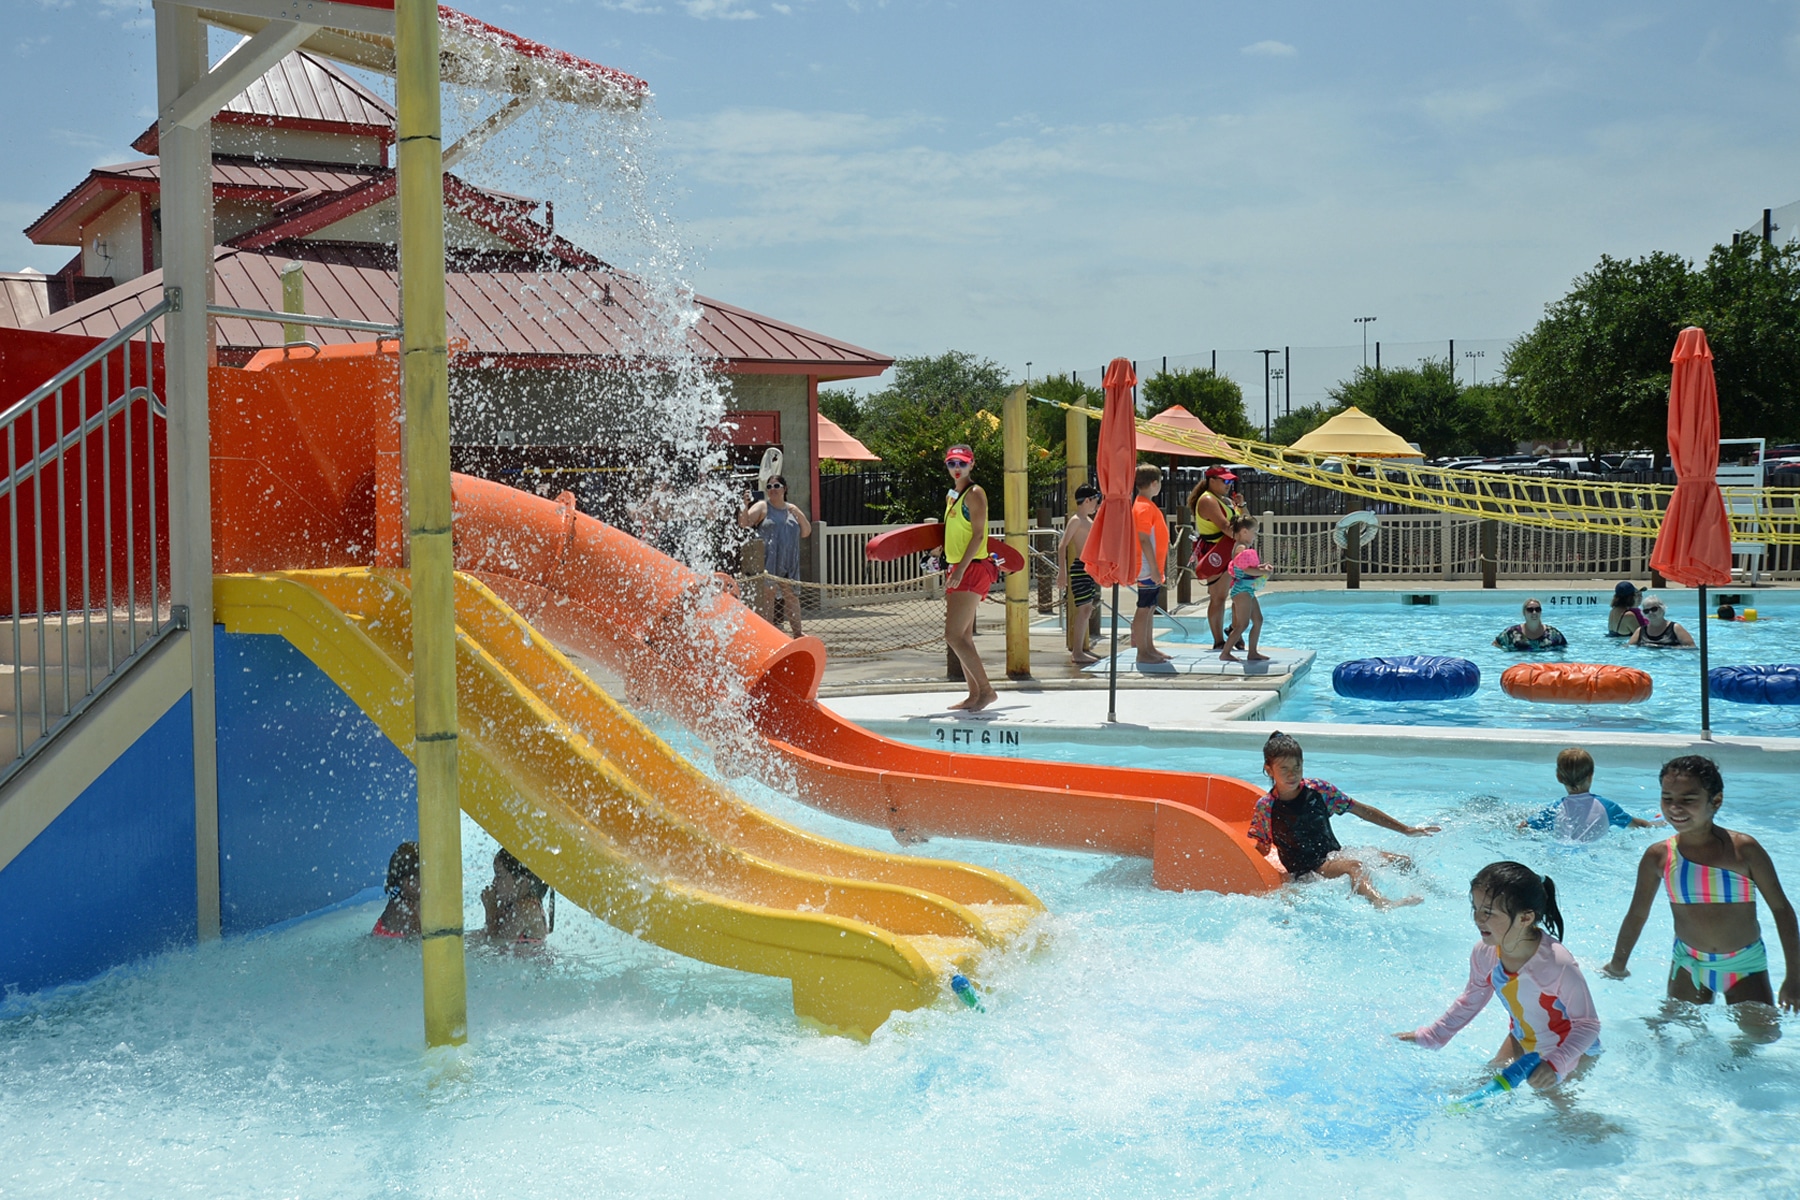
[(1576, 683)]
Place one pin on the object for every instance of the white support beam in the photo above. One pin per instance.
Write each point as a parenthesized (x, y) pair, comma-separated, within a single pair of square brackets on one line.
[(248, 61), (479, 136), (248, 16), (187, 195)]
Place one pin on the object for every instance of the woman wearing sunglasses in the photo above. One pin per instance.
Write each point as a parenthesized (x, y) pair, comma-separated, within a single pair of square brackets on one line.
[(1658, 630), (1532, 633), (972, 572)]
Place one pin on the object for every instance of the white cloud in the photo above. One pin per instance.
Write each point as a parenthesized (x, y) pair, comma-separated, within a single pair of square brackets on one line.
[(1269, 49), (719, 10)]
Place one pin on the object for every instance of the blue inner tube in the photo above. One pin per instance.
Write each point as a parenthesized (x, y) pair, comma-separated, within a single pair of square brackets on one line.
[(1409, 677), (1777, 684)]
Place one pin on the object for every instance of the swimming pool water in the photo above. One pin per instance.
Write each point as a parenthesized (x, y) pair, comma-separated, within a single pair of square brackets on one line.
[(1153, 1044), (1341, 626)]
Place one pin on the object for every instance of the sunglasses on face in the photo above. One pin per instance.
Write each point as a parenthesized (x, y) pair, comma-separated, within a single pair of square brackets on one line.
[(959, 464), (1533, 608), (1653, 608)]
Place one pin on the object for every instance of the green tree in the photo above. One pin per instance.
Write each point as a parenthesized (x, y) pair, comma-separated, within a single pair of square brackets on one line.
[(1290, 427), (1596, 367), (1215, 399), (1049, 424), (934, 403), (1750, 309), (842, 406)]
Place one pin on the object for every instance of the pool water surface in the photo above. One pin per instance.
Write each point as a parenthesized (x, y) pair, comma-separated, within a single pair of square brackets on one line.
[(1341, 626), (1153, 1044)]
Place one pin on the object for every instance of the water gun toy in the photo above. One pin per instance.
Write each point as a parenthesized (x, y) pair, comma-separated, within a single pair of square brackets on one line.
[(1511, 1079)]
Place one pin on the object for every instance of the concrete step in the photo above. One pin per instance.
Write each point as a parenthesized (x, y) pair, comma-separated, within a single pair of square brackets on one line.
[(20, 688)]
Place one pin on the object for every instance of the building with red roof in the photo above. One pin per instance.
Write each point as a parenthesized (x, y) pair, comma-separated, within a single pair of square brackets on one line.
[(301, 174)]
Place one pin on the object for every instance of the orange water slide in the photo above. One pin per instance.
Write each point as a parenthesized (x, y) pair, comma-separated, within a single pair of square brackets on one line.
[(306, 474), (685, 644)]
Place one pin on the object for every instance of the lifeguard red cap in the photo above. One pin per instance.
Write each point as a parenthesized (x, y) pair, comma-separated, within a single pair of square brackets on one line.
[(1219, 473)]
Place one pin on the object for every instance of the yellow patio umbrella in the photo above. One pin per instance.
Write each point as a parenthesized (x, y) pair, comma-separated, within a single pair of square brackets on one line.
[(1354, 433)]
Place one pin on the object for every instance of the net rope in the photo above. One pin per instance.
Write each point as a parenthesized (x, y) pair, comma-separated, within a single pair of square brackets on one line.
[(1577, 506)]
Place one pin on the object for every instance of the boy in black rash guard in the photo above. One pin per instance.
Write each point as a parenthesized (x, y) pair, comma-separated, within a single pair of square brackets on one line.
[(1295, 818)]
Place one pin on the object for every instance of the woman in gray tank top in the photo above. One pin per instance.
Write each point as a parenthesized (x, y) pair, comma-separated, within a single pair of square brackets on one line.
[(781, 526)]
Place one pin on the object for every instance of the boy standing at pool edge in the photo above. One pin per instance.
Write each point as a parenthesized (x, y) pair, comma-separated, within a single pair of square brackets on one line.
[(1153, 551), (1294, 817), (1072, 573)]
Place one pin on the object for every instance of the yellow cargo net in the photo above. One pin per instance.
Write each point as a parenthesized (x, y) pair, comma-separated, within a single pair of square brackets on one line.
[(1576, 505)]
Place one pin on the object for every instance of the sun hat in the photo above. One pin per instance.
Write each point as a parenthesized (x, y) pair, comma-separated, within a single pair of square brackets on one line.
[(1624, 588)]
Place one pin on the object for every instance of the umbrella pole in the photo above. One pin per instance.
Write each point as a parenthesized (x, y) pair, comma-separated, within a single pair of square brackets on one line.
[(1705, 680), (1112, 663)]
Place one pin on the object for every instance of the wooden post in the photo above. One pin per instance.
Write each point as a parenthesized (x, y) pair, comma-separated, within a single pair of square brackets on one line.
[(293, 300), (1490, 553), (1353, 556), (1017, 490), (425, 381)]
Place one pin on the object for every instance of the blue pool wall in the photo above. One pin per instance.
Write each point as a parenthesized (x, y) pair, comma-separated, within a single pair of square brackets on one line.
[(313, 799), (111, 879)]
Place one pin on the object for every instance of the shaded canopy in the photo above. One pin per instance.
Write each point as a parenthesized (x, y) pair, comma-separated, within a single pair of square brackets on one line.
[(1354, 432), (1177, 417), (834, 443)]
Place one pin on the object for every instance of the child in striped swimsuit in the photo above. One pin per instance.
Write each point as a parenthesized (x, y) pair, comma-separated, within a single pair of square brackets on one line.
[(1712, 876), (1521, 959)]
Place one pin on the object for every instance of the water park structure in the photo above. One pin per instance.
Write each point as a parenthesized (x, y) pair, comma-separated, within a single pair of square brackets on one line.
[(255, 610)]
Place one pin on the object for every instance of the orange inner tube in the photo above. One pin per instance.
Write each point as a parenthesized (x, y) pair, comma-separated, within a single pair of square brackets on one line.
[(1575, 683)]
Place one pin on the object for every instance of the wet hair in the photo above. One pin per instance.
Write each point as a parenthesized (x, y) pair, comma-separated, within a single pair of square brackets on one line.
[(1243, 522), (1514, 888), (504, 860), (1146, 475), (1701, 769), (1574, 766), (1282, 745), (403, 865), (1727, 613), (1086, 491)]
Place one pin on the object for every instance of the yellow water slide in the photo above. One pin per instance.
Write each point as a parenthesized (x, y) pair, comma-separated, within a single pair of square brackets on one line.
[(618, 822)]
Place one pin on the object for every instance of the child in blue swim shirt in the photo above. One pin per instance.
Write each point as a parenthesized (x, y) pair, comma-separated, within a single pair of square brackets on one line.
[(1580, 816)]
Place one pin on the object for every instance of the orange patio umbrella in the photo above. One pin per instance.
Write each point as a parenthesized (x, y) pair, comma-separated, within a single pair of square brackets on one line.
[(1694, 545), (1177, 417), (1112, 546), (836, 444)]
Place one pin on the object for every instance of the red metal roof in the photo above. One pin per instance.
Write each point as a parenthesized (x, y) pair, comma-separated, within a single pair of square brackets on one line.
[(511, 310), (302, 92)]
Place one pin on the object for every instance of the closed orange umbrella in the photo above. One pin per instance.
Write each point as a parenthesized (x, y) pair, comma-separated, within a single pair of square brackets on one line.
[(1112, 546), (1694, 546)]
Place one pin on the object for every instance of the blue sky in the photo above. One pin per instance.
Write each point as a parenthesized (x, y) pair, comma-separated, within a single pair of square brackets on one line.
[(1060, 182)]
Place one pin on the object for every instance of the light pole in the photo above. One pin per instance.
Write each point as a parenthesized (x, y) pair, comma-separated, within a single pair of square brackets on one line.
[(1028, 372), (1364, 322), (1268, 411), (1278, 374), (1475, 357)]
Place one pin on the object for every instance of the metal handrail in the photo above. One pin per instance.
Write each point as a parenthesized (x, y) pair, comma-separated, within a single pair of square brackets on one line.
[(280, 318), (76, 436), (67, 375)]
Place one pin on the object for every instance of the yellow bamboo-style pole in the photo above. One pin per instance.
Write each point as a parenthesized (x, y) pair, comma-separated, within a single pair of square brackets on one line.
[(426, 391), (293, 299), (1075, 458), (1018, 524)]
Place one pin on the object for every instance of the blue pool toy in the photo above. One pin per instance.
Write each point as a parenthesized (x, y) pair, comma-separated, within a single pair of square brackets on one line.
[(1776, 684), (1408, 677), (1506, 1081), (965, 991)]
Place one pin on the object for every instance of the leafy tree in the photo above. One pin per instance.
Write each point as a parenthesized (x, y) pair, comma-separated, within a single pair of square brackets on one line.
[(1290, 427), (1750, 309), (1596, 367), (842, 406), (934, 403), (1212, 397), (1049, 424), (1495, 419)]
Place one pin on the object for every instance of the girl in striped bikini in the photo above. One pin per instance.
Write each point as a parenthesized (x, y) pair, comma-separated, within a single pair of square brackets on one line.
[(1712, 876)]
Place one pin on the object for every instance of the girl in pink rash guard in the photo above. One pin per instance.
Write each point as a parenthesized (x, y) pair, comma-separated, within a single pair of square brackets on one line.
[(1540, 982)]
